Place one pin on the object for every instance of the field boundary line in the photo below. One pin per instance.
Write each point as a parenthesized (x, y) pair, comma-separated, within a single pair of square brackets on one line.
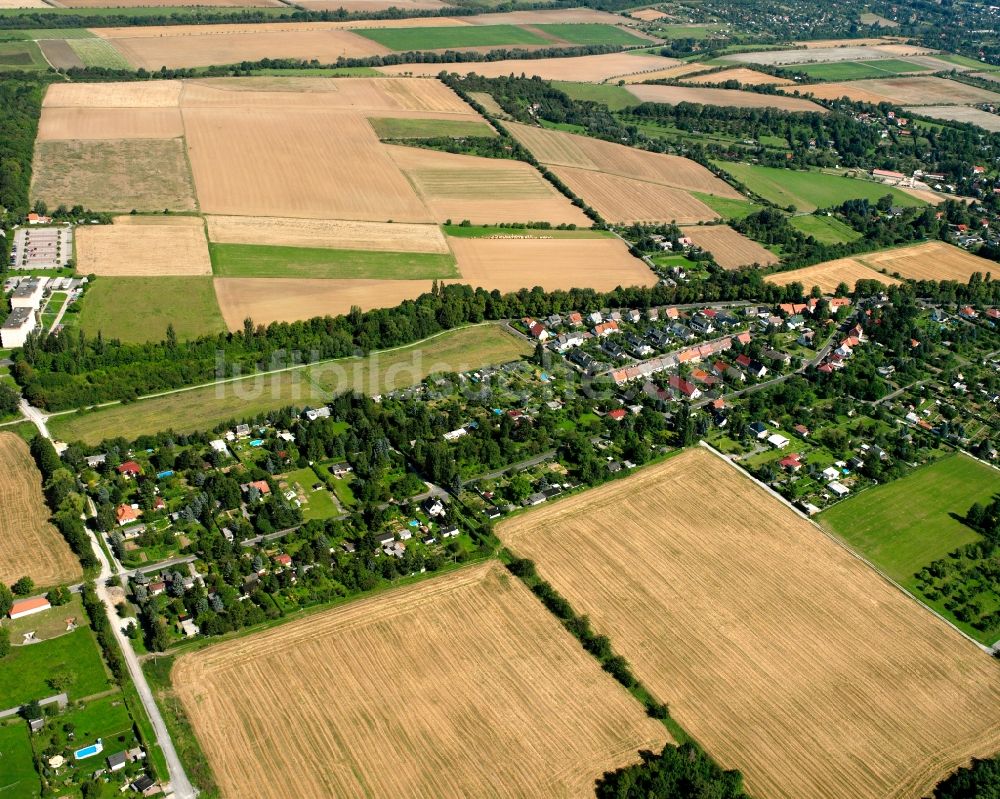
[(843, 545)]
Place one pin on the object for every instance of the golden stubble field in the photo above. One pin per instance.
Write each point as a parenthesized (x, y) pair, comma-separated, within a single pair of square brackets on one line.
[(748, 77), (830, 274), (556, 148), (913, 91), (461, 685), (137, 246), (29, 545), (733, 98), (587, 68), (932, 260), (783, 654), (730, 248)]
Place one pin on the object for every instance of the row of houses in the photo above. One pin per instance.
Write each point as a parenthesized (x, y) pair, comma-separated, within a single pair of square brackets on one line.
[(693, 354)]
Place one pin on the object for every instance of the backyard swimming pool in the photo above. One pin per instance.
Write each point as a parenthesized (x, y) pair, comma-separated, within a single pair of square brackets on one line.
[(89, 751)]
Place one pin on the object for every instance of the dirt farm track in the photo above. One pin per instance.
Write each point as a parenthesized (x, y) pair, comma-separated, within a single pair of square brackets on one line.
[(29, 545), (779, 651), (461, 685)]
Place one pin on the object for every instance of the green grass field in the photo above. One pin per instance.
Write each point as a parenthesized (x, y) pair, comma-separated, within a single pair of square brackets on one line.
[(138, 309), (808, 191), (135, 11), (592, 33), (206, 407), (852, 70), (687, 31), (614, 97), (17, 56), (907, 524), (26, 669), (35, 34), (963, 61), (403, 39), (727, 208), (486, 231), (251, 260), (825, 229), (391, 128), (18, 779), (98, 53), (105, 718)]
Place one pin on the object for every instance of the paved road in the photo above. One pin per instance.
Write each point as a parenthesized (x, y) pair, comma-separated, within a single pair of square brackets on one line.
[(514, 466), (39, 419)]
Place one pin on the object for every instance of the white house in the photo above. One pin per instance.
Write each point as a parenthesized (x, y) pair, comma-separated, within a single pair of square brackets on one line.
[(777, 441), (838, 488), (17, 326)]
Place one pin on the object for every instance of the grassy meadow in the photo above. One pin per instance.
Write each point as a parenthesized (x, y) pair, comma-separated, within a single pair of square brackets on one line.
[(26, 669), (19, 780), (855, 70), (825, 229), (489, 231), (398, 128), (614, 97), (403, 39)]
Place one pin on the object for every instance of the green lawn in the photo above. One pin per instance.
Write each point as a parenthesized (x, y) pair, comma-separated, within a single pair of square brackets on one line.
[(26, 669), (105, 718), (907, 524), (16, 56), (852, 70), (728, 208), (486, 231), (18, 779), (592, 33), (318, 504), (138, 309), (403, 39), (825, 229), (614, 97), (391, 128), (251, 260), (342, 488), (807, 191)]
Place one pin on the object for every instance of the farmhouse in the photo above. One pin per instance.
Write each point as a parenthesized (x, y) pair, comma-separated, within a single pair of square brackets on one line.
[(27, 607), (17, 327)]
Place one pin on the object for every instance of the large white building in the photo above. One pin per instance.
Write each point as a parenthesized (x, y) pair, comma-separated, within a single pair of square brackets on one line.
[(18, 325), (28, 293)]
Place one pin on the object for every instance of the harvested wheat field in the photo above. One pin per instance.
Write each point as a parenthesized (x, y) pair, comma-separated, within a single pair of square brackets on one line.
[(903, 91), (827, 54), (932, 260), (678, 71), (783, 654), (830, 274), (267, 300), (169, 3), (487, 101), (587, 68), (333, 234), (113, 174), (76, 122), (204, 45), (620, 199), (733, 98), (483, 190), (730, 248), (567, 149), (512, 264), (138, 94), (747, 77), (165, 246), (958, 113), (295, 162), (463, 684), (29, 545), (364, 6), (648, 14)]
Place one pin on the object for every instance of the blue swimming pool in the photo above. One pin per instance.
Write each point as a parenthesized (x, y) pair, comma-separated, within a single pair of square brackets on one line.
[(89, 751), (257, 442)]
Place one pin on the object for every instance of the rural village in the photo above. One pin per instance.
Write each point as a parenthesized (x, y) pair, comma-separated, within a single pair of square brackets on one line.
[(462, 399)]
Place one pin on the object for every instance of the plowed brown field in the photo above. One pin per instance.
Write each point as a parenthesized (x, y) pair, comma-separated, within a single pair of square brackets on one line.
[(830, 274), (730, 248), (167, 246), (932, 260), (511, 264), (483, 190), (733, 98), (334, 234), (567, 149), (620, 199), (462, 685), (782, 653), (29, 545)]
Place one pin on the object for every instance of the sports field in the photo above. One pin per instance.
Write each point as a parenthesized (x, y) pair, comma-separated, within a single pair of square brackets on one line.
[(825, 229), (730, 248), (808, 191), (904, 525), (139, 309), (139, 246), (379, 373), (830, 274), (464, 684), (779, 651), (252, 260), (29, 545)]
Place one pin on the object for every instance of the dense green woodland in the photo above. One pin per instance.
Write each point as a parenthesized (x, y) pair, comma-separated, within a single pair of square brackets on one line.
[(980, 781)]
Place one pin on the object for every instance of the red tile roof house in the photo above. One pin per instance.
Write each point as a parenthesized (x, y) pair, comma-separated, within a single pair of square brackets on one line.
[(678, 383), (537, 330), (791, 462), (130, 469), (25, 607), (617, 414), (260, 485), (283, 560), (575, 318), (126, 514), (606, 329)]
